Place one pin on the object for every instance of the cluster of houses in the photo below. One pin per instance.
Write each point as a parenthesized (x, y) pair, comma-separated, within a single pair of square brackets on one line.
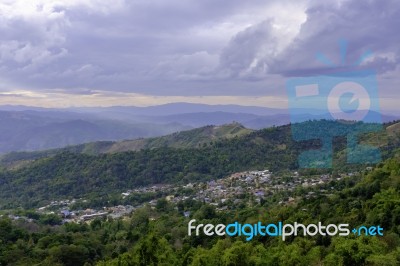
[(90, 214), (255, 186), (151, 189), (250, 187), (57, 203), (62, 208), (79, 216)]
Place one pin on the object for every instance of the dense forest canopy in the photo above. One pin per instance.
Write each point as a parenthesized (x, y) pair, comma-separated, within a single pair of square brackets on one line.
[(157, 234), (77, 174)]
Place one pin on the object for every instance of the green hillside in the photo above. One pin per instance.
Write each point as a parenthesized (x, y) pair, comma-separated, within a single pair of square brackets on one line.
[(78, 174), (185, 139), (368, 200), (194, 138), (73, 174), (158, 235), (393, 130)]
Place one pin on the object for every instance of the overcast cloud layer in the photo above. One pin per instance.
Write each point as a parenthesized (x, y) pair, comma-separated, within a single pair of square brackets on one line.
[(116, 52)]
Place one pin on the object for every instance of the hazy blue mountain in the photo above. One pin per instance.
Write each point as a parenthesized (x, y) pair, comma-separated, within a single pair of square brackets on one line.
[(24, 128), (29, 131), (204, 118), (179, 108), (193, 138)]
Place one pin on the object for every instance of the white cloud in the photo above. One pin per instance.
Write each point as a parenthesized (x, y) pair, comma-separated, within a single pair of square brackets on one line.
[(196, 66), (91, 98), (187, 48)]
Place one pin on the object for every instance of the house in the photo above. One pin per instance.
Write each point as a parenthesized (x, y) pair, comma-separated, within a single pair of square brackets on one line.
[(92, 216), (65, 213), (169, 197), (190, 185), (259, 193)]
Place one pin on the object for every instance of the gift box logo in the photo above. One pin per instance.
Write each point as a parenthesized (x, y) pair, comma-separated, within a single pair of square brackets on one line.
[(345, 103)]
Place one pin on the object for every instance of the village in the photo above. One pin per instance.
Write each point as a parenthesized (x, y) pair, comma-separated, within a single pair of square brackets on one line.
[(235, 191)]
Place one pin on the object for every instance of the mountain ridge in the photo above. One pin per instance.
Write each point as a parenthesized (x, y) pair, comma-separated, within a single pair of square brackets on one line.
[(67, 174), (32, 129), (192, 138)]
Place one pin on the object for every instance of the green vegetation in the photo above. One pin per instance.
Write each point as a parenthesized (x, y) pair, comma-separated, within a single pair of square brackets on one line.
[(158, 236), (194, 138), (69, 174)]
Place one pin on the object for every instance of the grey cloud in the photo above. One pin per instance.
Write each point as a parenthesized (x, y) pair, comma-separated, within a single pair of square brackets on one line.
[(155, 47), (196, 66), (133, 48), (28, 42), (366, 26), (246, 54)]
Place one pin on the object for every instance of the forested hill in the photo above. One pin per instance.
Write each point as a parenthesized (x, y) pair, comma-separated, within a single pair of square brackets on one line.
[(372, 199), (193, 138), (158, 235), (70, 174), (80, 175)]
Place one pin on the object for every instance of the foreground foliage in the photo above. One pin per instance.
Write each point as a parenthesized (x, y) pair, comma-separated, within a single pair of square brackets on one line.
[(73, 174), (158, 236)]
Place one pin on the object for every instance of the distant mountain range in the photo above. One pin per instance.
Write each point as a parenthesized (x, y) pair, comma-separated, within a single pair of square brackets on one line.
[(36, 130), (201, 137), (103, 168), (24, 128), (194, 138)]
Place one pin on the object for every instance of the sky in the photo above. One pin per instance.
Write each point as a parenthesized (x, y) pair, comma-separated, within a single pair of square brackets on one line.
[(141, 53)]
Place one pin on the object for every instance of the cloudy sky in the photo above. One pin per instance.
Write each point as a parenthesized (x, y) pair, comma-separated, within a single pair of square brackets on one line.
[(131, 52)]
